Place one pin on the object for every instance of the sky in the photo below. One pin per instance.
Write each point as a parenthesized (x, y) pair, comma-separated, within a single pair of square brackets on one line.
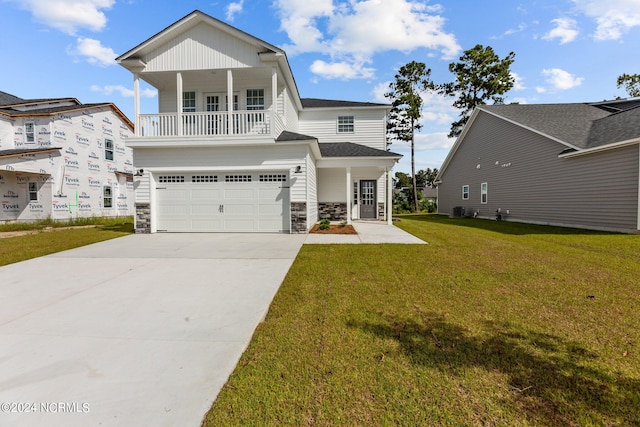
[(565, 50)]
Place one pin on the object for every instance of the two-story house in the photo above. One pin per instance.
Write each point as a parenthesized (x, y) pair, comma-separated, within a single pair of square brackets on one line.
[(233, 147), (61, 159)]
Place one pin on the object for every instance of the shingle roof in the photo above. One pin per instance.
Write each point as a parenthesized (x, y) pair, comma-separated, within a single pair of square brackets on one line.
[(349, 149), (292, 136), (7, 99), (580, 125), (329, 103)]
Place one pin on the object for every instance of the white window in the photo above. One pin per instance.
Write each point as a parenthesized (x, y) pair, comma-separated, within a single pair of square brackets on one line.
[(237, 178), (465, 192), (484, 190), (29, 132), (108, 149), (204, 178), (107, 196), (189, 102), (165, 179), (255, 99), (345, 124), (355, 193), (33, 191), (276, 177)]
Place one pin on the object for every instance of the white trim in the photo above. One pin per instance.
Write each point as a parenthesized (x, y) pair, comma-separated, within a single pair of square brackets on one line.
[(468, 192), (389, 200), (606, 147), (349, 191), (484, 192)]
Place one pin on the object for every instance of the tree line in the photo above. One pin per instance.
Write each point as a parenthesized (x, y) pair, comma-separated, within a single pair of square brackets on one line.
[(480, 76)]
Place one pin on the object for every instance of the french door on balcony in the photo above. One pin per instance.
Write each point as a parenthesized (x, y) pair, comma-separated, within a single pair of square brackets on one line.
[(217, 123)]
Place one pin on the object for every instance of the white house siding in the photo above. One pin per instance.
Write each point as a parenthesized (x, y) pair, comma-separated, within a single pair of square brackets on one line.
[(284, 158), (71, 180), (202, 48), (369, 126), (290, 112), (6, 134), (526, 177), (312, 190)]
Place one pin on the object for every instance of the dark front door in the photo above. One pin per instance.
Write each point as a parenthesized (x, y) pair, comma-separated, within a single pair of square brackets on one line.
[(368, 203)]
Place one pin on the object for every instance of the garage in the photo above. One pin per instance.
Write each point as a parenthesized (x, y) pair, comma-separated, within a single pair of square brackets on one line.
[(223, 202)]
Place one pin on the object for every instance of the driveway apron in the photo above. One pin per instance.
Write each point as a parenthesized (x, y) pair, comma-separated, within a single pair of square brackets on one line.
[(142, 330)]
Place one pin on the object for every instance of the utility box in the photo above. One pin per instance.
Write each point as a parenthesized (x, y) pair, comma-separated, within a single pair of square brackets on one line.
[(458, 211)]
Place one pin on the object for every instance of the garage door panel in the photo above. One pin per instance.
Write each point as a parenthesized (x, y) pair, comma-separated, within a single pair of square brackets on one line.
[(250, 204)]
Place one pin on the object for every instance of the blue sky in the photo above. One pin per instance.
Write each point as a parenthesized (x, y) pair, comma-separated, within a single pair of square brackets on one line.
[(566, 50)]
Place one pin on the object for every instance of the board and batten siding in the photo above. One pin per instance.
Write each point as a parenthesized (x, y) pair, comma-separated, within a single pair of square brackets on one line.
[(525, 176), (202, 48), (222, 159), (369, 126)]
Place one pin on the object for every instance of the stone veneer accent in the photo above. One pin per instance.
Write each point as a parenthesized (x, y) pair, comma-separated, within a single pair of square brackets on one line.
[(333, 211), (143, 218), (298, 217)]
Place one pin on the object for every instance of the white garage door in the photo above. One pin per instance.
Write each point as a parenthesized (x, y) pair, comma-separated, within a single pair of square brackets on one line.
[(224, 202)]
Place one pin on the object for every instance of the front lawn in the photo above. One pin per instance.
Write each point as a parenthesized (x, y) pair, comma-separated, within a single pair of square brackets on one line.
[(20, 248), (489, 324)]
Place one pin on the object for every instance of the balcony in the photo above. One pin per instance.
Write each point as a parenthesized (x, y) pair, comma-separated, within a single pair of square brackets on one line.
[(210, 124)]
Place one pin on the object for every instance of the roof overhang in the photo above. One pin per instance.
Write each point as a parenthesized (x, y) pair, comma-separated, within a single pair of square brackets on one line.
[(601, 148)]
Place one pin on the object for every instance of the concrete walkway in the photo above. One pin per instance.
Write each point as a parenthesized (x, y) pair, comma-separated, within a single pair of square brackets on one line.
[(136, 331), (368, 232)]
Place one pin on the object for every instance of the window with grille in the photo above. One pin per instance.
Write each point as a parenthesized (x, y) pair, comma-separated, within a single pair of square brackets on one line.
[(170, 178), (189, 102), (255, 99), (465, 192), (204, 178), (237, 178), (33, 191), (277, 177), (345, 124), (107, 197), (29, 132), (108, 149), (484, 191)]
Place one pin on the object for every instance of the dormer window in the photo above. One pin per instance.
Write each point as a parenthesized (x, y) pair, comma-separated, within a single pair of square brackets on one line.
[(345, 124)]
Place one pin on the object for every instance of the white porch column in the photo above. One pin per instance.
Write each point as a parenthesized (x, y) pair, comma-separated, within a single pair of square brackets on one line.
[(349, 190), (179, 102), (136, 104), (274, 99), (230, 101), (389, 198)]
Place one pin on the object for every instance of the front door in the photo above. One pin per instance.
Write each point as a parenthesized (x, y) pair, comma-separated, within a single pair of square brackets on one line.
[(368, 203)]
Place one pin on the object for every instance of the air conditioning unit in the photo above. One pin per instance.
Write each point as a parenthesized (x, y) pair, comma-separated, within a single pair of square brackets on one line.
[(458, 212)]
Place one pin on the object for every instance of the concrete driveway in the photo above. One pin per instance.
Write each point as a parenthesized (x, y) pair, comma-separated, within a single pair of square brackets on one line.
[(142, 330)]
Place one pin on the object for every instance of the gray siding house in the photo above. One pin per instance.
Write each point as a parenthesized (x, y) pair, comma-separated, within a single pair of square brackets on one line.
[(575, 165)]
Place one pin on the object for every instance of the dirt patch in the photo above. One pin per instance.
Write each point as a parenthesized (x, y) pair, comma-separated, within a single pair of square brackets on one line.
[(17, 233), (334, 229)]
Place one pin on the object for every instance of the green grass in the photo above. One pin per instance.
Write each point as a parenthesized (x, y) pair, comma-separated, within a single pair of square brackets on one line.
[(20, 248), (490, 324), (51, 223)]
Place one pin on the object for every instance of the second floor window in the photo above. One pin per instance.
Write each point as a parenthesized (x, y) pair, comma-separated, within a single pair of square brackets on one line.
[(29, 132), (189, 102), (108, 149), (255, 99), (345, 124)]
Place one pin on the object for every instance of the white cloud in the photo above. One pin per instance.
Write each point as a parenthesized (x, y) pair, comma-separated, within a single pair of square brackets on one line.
[(341, 70), (613, 17), (123, 91), (351, 32), (233, 9), (540, 89), (518, 81), (565, 30), (561, 79), (69, 15), (93, 51)]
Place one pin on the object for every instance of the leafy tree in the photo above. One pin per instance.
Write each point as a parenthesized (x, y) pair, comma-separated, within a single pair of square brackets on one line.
[(403, 180), (426, 178), (480, 76), (631, 83), (412, 80)]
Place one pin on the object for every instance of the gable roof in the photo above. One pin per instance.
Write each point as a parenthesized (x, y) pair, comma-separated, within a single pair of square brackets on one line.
[(580, 127)]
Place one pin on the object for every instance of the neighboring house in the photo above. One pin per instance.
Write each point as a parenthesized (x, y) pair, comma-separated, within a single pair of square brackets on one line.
[(575, 165), (268, 161), (61, 159)]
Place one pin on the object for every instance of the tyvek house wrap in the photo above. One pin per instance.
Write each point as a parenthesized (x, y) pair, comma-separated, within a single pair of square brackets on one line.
[(71, 177)]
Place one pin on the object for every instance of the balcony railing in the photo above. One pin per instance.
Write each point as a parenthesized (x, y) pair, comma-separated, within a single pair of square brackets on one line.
[(218, 123)]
